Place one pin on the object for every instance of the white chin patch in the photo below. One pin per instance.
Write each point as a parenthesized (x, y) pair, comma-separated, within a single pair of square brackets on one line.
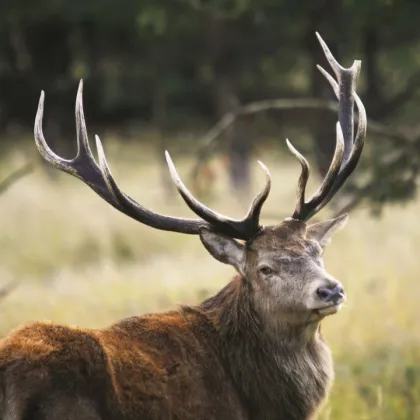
[(329, 310)]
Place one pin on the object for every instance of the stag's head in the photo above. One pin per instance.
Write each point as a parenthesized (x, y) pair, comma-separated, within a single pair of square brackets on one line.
[(281, 265), (283, 268)]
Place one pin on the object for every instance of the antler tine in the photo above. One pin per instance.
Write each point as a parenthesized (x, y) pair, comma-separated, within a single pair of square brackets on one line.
[(83, 147), (347, 152), (256, 205), (333, 171), (42, 145), (351, 164), (249, 222), (303, 181), (83, 166), (302, 207), (335, 65), (82, 142), (344, 90), (100, 179)]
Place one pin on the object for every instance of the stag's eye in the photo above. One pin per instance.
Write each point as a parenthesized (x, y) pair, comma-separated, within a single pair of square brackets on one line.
[(266, 271)]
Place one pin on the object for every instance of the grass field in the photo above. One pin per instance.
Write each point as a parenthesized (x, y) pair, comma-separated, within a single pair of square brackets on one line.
[(81, 262)]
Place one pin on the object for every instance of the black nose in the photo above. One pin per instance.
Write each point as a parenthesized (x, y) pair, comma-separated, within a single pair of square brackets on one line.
[(331, 294)]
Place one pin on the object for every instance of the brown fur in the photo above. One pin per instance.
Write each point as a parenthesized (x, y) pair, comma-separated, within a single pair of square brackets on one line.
[(232, 357)]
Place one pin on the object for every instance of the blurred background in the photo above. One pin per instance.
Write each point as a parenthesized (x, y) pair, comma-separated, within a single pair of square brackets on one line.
[(219, 84)]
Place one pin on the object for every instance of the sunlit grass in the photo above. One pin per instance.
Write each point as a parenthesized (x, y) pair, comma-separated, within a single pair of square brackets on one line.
[(81, 262)]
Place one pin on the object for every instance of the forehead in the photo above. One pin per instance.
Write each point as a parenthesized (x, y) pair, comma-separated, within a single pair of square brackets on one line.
[(288, 238)]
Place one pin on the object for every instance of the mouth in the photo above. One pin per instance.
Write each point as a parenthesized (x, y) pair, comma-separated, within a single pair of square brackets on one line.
[(329, 310)]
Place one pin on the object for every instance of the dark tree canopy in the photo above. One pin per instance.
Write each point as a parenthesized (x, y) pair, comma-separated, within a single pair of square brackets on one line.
[(173, 63)]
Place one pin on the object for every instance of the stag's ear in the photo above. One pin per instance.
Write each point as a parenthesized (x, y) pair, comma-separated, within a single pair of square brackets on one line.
[(224, 248), (322, 231)]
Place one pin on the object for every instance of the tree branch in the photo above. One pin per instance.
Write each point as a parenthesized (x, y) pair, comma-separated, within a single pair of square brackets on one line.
[(15, 176), (6, 290), (209, 141), (350, 205), (389, 106)]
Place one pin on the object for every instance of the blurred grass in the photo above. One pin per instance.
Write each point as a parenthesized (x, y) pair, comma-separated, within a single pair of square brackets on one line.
[(79, 261)]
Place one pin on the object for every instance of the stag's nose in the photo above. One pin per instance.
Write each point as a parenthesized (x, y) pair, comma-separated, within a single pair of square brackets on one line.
[(334, 293)]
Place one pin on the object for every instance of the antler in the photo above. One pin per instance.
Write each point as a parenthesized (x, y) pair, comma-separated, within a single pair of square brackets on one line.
[(347, 151), (100, 179)]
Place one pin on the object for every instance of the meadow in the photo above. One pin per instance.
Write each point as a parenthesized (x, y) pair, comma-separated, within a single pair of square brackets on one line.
[(79, 261)]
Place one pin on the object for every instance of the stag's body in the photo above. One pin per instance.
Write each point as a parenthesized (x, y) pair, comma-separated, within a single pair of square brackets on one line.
[(209, 362), (252, 352)]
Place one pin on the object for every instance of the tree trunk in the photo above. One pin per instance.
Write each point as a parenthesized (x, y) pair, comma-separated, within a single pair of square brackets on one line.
[(239, 141)]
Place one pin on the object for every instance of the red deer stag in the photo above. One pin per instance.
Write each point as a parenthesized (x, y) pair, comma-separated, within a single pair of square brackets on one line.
[(252, 351)]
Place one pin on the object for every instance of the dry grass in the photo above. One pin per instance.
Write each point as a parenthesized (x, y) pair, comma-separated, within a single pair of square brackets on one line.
[(81, 262)]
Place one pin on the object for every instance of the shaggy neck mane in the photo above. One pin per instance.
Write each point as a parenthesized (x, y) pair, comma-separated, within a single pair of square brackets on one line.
[(269, 365)]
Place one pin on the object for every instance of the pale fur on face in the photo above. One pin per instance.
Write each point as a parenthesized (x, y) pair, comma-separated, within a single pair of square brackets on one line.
[(284, 266)]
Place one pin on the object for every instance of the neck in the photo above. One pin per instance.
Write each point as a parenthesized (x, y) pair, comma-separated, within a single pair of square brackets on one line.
[(233, 313), (269, 362)]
